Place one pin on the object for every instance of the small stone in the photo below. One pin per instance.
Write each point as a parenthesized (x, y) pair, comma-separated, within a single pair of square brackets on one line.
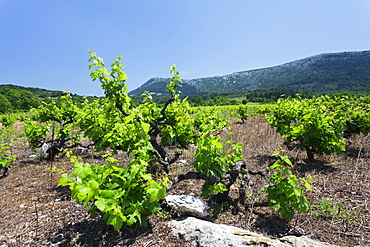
[(31, 155), (188, 205), (44, 148), (83, 150)]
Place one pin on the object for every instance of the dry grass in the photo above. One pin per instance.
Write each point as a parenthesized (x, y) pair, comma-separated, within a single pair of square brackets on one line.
[(34, 212)]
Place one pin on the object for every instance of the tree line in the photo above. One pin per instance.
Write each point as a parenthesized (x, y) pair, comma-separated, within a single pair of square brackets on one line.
[(12, 100)]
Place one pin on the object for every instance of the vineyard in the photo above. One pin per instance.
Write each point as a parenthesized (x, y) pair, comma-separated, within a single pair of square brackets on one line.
[(96, 173)]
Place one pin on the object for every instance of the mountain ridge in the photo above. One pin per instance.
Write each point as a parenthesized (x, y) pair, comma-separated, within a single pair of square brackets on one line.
[(327, 72)]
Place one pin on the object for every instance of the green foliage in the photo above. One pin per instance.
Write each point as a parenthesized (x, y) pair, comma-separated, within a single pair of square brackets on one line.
[(110, 122), (208, 121), (319, 124), (12, 100), (286, 192), (243, 112), (229, 112), (8, 119), (62, 109), (179, 123), (52, 169), (328, 209), (212, 160), (272, 95), (107, 128), (5, 105), (113, 82), (122, 195), (35, 132), (125, 194), (175, 82), (113, 122), (358, 113), (54, 122), (210, 189), (37, 92), (6, 157), (164, 214)]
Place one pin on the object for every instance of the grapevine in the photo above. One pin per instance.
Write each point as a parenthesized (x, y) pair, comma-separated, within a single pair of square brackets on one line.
[(6, 158), (286, 192), (58, 117), (320, 125), (126, 194)]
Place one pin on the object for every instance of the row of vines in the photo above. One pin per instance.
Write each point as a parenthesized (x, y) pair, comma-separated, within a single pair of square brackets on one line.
[(321, 125), (127, 193)]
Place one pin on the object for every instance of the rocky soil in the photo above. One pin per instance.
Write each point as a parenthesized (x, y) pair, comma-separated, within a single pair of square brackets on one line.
[(35, 212)]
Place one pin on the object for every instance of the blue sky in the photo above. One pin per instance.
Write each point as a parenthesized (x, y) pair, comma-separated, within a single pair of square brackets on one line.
[(44, 43)]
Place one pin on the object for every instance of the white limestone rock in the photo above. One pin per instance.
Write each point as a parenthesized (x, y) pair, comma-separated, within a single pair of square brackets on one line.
[(203, 233), (188, 205), (45, 147), (304, 241), (83, 150)]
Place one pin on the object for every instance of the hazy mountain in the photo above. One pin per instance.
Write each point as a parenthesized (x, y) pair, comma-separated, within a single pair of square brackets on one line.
[(328, 72)]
